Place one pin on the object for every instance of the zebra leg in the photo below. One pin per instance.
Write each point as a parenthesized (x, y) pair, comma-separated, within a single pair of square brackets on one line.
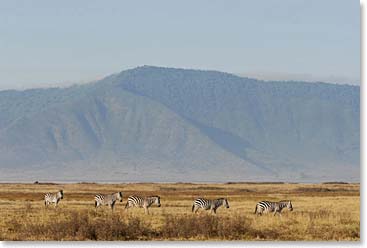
[(146, 210), (112, 205), (280, 212), (258, 211)]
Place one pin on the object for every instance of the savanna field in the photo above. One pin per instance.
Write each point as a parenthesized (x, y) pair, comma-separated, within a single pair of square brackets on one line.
[(321, 212)]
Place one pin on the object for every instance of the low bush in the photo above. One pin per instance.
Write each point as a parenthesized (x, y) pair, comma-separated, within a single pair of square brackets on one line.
[(206, 227), (82, 226)]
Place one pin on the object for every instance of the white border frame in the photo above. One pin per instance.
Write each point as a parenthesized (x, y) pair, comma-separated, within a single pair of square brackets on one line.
[(198, 244)]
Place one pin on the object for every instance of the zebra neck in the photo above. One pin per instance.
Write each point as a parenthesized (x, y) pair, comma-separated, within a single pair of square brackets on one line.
[(114, 196), (219, 202), (282, 204)]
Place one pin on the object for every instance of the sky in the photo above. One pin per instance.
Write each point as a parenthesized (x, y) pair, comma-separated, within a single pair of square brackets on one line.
[(50, 43)]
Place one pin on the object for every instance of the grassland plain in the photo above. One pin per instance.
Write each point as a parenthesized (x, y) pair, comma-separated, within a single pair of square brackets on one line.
[(321, 212)]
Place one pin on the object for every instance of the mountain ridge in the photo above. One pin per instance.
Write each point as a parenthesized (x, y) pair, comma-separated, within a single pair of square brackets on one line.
[(264, 130)]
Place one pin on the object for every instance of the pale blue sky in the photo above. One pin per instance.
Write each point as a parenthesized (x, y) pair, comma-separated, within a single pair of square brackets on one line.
[(57, 42)]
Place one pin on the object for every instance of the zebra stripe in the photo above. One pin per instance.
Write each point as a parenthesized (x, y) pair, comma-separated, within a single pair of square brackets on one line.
[(206, 204), (143, 202), (276, 207), (53, 198), (109, 199)]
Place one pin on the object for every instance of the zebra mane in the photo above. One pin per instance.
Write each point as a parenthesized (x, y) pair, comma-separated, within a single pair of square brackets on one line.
[(153, 196)]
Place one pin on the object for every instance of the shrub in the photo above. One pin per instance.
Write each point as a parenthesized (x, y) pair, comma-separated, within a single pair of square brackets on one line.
[(205, 227), (81, 226)]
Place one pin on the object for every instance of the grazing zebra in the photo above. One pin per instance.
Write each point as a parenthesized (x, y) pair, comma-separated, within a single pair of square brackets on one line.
[(143, 202), (109, 199), (276, 207), (209, 204), (53, 198)]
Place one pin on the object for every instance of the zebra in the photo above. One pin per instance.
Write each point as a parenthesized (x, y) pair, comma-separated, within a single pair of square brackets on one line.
[(206, 204), (276, 207), (109, 199), (53, 198), (143, 202)]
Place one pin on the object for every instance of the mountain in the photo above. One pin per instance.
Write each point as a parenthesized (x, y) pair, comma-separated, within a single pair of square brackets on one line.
[(165, 124)]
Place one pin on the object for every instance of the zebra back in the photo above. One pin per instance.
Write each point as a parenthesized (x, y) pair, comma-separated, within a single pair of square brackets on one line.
[(107, 199), (135, 200), (207, 204), (202, 203), (264, 206), (268, 206), (140, 201), (54, 197)]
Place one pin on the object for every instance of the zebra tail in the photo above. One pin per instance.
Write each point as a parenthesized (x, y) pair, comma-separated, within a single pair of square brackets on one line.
[(255, 209), (192, 209), (95, 204), (127, 203)]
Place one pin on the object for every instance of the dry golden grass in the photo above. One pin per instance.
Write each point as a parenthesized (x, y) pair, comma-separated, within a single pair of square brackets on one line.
[(321, 212)]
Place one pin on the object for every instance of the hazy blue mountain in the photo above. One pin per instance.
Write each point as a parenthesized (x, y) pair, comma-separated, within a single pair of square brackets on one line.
[(164, 124)]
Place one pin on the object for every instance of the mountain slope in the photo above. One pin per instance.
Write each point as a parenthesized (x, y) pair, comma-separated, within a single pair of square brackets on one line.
[(112, 127), (302, 123), (164, 124)]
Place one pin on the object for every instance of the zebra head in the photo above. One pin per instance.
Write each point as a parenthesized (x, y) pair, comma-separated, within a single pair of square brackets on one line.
[(60, 194), (119, 196), (157, 200), (289, 206), (226, 203)]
